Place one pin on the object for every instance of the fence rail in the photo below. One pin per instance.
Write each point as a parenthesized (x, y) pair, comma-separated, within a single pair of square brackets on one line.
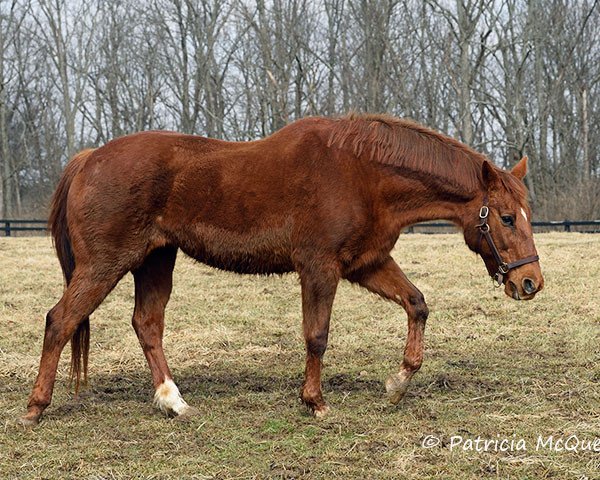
[(8, 227), (587, 226)]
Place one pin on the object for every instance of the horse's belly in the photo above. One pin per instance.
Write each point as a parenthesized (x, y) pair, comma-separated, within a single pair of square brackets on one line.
[(257, 264), (255, 252)]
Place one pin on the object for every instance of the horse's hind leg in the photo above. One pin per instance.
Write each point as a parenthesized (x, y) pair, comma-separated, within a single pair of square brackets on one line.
[(390, 282), (153, 283), (83, 295)]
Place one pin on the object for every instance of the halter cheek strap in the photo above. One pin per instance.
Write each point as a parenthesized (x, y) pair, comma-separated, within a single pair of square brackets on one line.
[(503, 267)]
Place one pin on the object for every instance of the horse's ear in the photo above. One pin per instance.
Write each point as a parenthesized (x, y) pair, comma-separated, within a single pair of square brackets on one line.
[(490, 176), (520, 169)]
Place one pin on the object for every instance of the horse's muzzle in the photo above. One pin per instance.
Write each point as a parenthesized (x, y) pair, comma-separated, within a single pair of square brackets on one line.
[(529, 288)]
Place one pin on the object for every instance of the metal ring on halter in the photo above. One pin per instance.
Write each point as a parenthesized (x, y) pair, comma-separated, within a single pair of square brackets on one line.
[(484, 212), (503, 268), (498, 280)]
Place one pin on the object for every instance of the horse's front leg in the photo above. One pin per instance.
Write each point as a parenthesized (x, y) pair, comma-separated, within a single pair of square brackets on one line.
[(318, 292), (389, 281)]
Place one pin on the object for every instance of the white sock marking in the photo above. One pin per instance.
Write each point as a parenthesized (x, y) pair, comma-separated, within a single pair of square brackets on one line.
[(524, 214), (168, 398)]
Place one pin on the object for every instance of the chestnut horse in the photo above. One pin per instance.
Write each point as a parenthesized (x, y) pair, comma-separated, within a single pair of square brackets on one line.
[(324, 197)]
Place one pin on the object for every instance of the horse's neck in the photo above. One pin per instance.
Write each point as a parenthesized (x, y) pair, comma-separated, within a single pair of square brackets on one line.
[(421, 201)]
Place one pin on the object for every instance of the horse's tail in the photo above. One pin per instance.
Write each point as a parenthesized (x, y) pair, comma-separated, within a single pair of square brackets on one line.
[(58, 225)]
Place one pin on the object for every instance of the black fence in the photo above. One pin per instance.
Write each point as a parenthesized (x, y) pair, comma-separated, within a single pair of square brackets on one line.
[(585, 226), (11, 227)]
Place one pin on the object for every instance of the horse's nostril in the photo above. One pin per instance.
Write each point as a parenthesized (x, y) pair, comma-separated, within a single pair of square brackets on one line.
[(529, 286)]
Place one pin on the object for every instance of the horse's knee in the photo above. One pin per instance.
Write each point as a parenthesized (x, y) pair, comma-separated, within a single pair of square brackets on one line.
[(316, 344), (418, 309)]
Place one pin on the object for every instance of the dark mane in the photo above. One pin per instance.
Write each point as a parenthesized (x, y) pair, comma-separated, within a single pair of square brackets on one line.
[(409, 145)]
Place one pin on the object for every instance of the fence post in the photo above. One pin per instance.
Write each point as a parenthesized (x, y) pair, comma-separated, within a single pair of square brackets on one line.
[(567, 226), (7, 228)]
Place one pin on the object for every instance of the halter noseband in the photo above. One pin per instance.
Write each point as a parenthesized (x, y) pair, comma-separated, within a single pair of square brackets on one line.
[(503, 267)]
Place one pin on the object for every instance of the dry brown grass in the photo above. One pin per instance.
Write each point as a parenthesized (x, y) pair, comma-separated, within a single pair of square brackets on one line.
[(493, 367)]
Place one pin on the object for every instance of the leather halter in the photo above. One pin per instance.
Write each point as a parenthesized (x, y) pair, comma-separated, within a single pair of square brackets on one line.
[(503, 267)]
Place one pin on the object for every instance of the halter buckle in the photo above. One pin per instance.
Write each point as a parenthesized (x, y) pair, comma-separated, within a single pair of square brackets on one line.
[(503, 268), (484, 212)]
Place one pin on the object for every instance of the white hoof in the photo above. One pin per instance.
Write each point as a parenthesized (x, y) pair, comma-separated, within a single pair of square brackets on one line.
[(321, 412), (169, 400), (396, 386)]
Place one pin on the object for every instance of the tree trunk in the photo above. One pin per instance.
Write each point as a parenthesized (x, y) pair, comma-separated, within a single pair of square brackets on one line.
[(465, 30), (585, 133)]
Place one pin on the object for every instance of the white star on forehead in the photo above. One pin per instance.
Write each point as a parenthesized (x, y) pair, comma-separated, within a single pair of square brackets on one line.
[(524, 214)]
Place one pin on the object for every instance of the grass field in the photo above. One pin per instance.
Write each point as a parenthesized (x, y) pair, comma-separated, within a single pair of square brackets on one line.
[(494, 368)]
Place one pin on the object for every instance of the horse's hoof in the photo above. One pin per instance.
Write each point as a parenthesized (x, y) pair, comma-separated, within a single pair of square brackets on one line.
[(187, 414), (396, 386), (29, 421), (321, 412)]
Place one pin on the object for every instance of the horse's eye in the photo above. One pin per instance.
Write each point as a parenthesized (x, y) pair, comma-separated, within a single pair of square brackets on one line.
[(508, 220)]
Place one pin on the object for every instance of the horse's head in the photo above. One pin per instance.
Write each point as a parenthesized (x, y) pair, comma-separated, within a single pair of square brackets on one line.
[(498, 228)]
